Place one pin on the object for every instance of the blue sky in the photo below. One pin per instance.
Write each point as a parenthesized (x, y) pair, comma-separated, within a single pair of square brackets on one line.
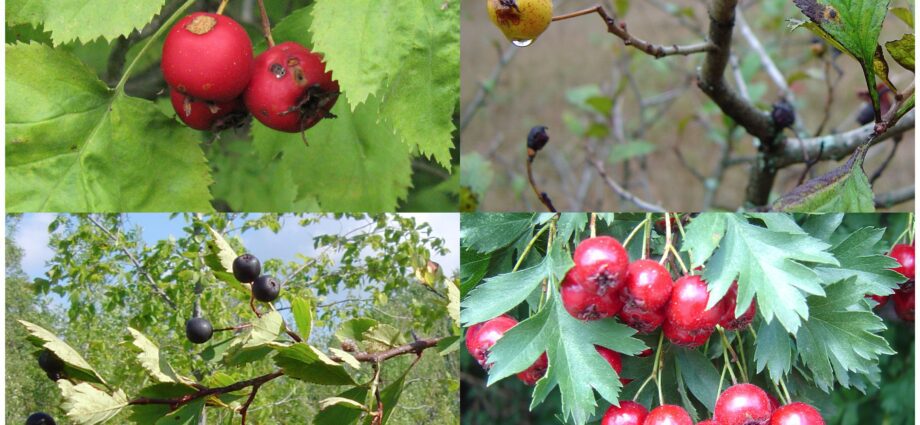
[(32, 236)]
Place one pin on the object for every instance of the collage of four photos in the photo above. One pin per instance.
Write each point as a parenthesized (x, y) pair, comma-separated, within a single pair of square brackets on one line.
[(560, 212)]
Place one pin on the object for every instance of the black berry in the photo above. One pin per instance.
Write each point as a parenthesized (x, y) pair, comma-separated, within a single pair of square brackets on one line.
[(198, 330), (783, 114), (537, 138), (246, 268), (866, 114), (40, 418), (266, 288), (50, 363)]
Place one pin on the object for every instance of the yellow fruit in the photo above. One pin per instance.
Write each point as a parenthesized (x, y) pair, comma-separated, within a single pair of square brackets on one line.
[(521, 20)]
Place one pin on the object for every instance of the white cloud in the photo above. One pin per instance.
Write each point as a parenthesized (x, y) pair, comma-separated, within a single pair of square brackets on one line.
[(32, 236)]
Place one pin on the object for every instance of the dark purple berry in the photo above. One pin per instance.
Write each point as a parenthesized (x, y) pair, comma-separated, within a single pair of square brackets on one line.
[(246, 268), (537, 138)]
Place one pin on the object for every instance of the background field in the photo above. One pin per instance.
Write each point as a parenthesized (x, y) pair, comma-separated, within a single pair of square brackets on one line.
[(577, 56)]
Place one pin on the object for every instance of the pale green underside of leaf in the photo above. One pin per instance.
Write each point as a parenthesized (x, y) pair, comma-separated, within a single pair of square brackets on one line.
[(405, 53), (352, 163), (75, 146), (851, 193), (155, 365), (61, 349), (86, 20), (88, 405), (304, 362)]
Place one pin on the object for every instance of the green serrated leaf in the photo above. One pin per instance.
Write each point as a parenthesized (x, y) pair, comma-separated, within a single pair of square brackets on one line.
[(303, 362), (252, 345), (574, 363), (69, 21), (303, 316), (703, 236), (773, 350), (360, 162), (74, 145), (354, 329), (860, 258), (841, 336), (342, 415), (489, 232), (699, 375), (155, 365), (75, 366), (501, 293), (903, 51), (844, 189)]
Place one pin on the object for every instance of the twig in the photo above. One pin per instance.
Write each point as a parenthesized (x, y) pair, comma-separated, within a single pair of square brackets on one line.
[(266, 26), (137, 264), (541, 195), (881, 169), (480, 98), (619, 30), (613, 185), (414, 347), (809, 164)]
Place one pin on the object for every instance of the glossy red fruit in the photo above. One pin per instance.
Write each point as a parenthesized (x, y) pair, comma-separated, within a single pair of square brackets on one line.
[(687, 307), (207, 56), (668, 414), (641, 320), (797, 414), (485, 337), (903, 300), (743, 404), (905, 255), (290, 89), (532, 374), (709, 422), (684, 337), (645, 353), (585, 304), (628, 413), (206, 115), (603, 263), (648, 285), (615, 360), (728, 320)]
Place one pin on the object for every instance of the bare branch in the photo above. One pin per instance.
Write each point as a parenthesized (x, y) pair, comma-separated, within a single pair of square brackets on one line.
[(613, 185)]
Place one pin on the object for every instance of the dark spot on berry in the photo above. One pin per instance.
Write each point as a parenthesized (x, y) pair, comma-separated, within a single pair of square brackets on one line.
[(278, 70), (264, 112)]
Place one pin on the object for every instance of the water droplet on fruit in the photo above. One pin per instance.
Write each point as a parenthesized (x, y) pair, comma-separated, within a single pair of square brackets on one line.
[(278, 70), (522, 43)]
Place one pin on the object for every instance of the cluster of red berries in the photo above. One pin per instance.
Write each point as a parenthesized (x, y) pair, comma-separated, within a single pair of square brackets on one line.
[(603, 283), (215, 82), (742, 404), (903, 297)]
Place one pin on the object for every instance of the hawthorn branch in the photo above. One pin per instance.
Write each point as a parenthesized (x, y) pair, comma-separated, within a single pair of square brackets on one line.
[(837, 146), (137, 264), (414, 347), (619, 30), (613, 185)]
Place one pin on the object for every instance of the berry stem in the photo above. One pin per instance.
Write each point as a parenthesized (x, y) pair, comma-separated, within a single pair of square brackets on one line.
[(646, 235), (266, 25), (667, 238), (633, 232), (680, 261), (220, 11), (234, 328), (725, 348), (619, 30), (120, 87), (593, 224), (743, 364), (530, 245), (654, 367), (542, 196), (782, 397)]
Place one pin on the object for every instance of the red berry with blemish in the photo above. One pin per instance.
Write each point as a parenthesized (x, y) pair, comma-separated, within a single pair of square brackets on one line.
[(585, 304), (684, 337), (648, 285), (207, 56), (743, 404), (668, 414), (627, 413), (290, 89), (903, 300), (687, 307), (602, 262), (480, 341), (729, 321), (641, 320), (532, 374), (207, 115), (797, 414)]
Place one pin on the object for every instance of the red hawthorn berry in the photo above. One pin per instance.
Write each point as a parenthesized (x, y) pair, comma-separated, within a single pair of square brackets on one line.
[(532, 374), (708, 422), (207, 56), (687, 307), (616, 361), (207, 115), (628, 413), (905, 255), (684, 337), (602, 262), (728, 320), (482, 340), (797, 414), (641, 320), (585, 304), (290, 90), (648, 285), (645, 353), (743, 404), (668, 414), (903, 299)]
